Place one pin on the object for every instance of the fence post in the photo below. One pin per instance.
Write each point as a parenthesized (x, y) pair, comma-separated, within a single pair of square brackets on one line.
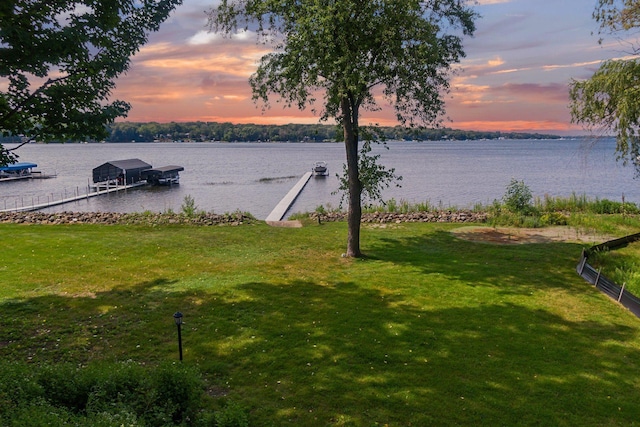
[(621, 291), (597, 278), (583, 261)]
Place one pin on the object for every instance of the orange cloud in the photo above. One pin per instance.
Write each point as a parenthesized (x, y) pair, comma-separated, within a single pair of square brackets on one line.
[(238, 61)]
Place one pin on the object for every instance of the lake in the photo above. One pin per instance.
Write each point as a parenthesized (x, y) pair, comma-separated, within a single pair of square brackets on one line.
[(253, 177)]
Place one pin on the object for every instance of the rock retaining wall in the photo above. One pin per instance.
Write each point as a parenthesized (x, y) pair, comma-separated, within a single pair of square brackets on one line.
[(226, 219), (389, 217), (123, 218)]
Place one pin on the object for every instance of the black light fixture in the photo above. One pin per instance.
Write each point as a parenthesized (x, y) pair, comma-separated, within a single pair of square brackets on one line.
[(177, 317)]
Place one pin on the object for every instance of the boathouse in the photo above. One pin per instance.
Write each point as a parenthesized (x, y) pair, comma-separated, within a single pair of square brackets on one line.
[(165, 175), (121, 171)]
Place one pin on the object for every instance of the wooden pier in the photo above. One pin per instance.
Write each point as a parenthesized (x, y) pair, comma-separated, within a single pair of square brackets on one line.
[(278, 213)]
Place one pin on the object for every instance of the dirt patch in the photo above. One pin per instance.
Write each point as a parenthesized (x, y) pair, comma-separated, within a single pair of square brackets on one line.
[(513, 236)]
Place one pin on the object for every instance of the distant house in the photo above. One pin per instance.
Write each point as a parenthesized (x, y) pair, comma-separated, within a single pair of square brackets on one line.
[(121, 171)]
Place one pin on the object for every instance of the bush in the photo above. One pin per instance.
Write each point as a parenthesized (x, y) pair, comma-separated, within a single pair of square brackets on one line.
[(553, 218), (17, 385), (232, 415), (189, 207), (518, 197), (100, 394)]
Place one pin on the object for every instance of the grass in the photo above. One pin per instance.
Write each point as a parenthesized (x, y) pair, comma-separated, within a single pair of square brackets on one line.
[(426, 330), (621, 265)]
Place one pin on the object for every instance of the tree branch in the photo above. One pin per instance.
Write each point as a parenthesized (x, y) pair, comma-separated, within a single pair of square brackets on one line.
[(21, 104)]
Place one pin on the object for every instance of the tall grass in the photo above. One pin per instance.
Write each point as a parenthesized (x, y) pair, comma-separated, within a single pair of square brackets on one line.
[(621, 265), (583, 204), (543, 211)]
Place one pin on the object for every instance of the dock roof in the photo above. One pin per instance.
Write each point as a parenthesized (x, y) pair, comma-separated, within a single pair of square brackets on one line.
[(128, 164), (18, 166), (128, 170), (164, 169)]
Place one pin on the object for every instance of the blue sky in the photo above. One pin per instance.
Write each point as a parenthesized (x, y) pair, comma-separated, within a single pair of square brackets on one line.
[(515, 76)]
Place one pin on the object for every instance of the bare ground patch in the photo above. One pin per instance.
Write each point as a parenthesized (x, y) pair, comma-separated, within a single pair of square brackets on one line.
[(513, 236)]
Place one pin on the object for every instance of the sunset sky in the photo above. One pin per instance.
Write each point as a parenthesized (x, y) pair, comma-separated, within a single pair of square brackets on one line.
[(515, 76)]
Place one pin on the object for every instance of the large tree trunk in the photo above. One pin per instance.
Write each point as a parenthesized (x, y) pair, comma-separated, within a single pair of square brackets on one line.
[(350, 128)]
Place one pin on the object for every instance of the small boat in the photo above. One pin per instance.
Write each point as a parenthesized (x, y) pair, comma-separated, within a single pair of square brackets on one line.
[(320, 169)]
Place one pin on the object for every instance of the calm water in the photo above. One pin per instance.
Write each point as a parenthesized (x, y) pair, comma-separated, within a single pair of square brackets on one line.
[(254, 177)]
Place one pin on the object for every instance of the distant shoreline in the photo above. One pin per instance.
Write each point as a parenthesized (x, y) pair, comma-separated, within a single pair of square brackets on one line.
[(228, 132)]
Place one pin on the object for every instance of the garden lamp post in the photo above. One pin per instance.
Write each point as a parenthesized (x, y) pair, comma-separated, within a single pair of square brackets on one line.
[(177, 317)]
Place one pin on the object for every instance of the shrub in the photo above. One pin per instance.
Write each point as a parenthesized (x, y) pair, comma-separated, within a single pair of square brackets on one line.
[(553, 218), (103, 394), (189, 207), (518, 197), (17, 385), (232, 415)]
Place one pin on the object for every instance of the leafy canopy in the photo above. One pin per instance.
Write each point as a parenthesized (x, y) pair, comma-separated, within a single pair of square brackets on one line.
[(59, 60), (609, 101), (352, 48)]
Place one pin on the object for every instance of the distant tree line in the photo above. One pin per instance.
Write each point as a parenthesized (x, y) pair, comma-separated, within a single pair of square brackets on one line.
[(228, 132), (209, 131)]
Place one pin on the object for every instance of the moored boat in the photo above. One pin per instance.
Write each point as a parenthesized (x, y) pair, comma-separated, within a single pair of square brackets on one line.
[(320, 169)]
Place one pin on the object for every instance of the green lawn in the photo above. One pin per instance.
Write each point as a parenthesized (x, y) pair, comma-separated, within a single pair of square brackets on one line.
[(427, 330)]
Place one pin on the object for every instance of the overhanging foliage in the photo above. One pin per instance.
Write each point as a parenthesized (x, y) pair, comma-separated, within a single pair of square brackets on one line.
[(59, 60)]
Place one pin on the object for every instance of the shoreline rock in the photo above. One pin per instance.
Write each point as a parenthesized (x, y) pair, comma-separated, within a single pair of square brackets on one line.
[(210, 219), (115, 218), (392, 217)]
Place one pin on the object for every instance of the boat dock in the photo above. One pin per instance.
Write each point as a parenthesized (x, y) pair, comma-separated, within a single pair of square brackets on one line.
[(110, 177), (281, 208), (64, 198), (21, 170)]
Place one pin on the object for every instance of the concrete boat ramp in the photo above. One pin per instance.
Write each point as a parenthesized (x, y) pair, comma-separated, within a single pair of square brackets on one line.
[(278, 213)]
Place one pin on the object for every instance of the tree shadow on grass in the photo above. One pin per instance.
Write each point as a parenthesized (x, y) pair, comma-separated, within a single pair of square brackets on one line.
[(299, 353), (110, 325), (357, 354), (515, 269)]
